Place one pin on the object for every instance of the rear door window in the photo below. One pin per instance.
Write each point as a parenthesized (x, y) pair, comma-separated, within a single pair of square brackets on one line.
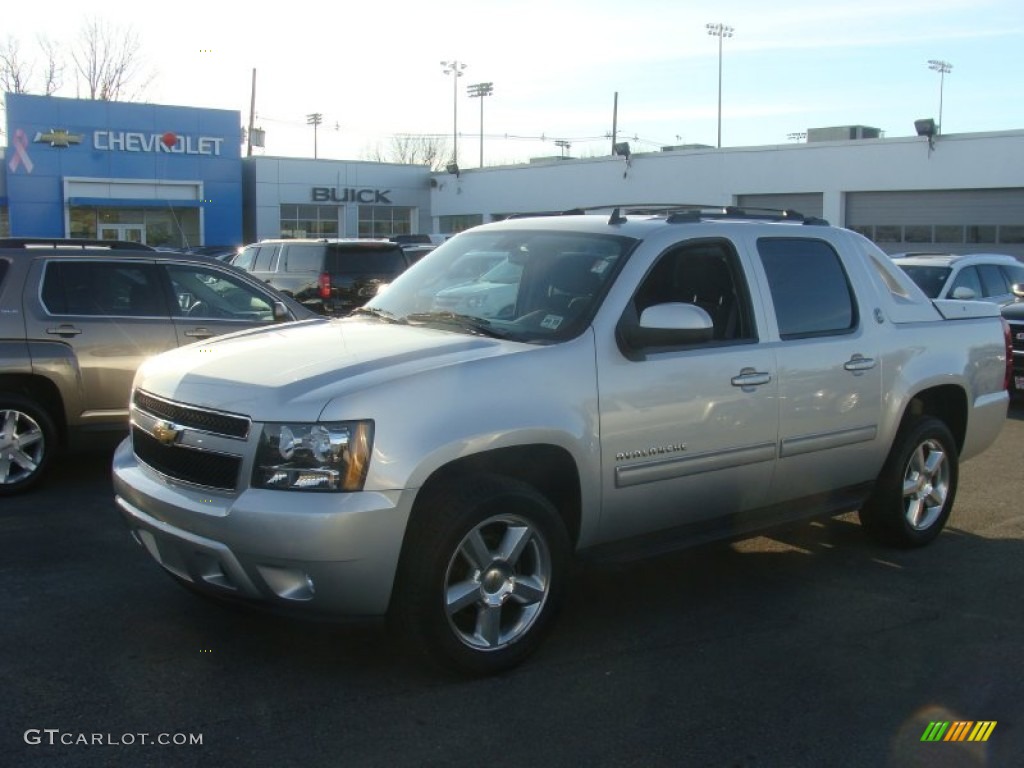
[(303, 258), (809, 287), (103, 288), (366, 261)]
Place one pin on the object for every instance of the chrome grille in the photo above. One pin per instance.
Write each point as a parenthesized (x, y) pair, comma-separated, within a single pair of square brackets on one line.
[(189, 465), (201, 419)]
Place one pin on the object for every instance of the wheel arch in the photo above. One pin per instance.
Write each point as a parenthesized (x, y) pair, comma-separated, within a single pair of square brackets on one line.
[(42, 391), (946, 402), (549, 469)]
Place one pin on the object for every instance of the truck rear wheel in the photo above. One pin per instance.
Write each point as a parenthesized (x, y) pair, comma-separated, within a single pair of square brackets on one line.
[(482, 575), (28, 440), (915, 490)]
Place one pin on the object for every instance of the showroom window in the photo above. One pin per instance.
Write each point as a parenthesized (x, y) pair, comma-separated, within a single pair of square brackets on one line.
[(309, 220), (384, 220), (453, 224)]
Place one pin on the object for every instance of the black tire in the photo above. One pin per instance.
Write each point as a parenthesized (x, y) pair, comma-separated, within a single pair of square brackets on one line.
[(915, 490), (28, 440), (464, 600)]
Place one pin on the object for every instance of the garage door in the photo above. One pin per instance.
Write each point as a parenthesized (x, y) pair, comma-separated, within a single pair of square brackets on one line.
[(809, 204), (961, 221)]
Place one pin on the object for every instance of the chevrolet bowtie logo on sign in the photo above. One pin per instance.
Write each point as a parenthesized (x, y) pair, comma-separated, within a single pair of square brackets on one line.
[(959, 731), (58, 137)]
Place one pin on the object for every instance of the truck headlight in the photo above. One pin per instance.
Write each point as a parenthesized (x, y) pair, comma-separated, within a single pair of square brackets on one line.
[(332, 456)]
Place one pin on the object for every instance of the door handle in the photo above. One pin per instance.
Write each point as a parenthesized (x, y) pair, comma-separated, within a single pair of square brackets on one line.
[(859, 363), (199, 333), (748, 377), (64, 330)]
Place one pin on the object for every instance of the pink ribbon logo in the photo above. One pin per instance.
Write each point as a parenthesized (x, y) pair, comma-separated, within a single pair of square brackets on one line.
[(20, 146)]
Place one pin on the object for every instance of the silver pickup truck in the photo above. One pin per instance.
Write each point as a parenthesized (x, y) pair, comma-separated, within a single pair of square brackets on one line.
[(648, 380)]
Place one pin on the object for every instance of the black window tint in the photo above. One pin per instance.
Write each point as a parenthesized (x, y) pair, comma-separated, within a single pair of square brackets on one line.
[(366, 261), (304, 258), (102, 288), (993, 280), (3, 270), (809, 287)]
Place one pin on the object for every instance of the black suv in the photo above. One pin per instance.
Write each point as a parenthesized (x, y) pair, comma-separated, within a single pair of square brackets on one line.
[(331, 277), (77, 317)]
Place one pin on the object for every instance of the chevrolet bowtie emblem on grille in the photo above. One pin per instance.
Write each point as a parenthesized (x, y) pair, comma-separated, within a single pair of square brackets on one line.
[(58, 137), (167, 433)]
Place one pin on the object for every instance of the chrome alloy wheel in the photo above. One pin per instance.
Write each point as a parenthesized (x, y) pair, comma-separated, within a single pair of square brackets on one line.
[(497, 582), (22, 446), (925, 485)]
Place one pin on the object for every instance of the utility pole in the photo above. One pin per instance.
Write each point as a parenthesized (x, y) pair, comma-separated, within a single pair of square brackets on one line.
[(314, 119)]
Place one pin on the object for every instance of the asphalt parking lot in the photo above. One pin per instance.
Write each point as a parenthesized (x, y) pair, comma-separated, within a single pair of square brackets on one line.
[(812, 647)]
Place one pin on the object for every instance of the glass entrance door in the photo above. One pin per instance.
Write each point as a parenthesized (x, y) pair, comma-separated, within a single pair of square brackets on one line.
[(132, 233)]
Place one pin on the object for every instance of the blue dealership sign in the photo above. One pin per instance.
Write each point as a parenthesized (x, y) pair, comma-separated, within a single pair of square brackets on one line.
[(65, 155)]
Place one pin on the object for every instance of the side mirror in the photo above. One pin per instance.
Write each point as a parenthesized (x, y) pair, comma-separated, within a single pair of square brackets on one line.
[(963, 293), (672, 324), (281, 313)]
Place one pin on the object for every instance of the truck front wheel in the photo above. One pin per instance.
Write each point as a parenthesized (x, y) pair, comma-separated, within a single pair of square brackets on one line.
[(482, 575), (915, 490)]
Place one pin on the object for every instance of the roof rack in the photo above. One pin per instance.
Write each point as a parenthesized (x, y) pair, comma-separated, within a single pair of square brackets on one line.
[(678, 213), (71, 242)]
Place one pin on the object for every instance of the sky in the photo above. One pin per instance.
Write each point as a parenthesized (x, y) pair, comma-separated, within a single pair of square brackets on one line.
[(373, 70)]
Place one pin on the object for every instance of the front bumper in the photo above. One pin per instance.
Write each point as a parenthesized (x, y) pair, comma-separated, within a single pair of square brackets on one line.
[(327, 554)]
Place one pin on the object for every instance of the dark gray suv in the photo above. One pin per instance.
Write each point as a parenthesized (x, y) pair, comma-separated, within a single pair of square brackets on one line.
[(77, 317), (331, 277)]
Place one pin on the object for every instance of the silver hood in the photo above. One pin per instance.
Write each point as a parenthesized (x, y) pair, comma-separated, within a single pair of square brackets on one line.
[(292, 371)]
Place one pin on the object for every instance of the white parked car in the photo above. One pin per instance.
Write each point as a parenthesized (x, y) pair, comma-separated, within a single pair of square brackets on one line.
[(977, 276)]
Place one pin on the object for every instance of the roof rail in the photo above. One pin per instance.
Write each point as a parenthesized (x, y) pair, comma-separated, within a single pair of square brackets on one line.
[(71, 242)]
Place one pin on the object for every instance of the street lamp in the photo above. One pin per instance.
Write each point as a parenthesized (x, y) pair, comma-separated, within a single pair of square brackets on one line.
[(943, 68), (454, 68), (720, 31), (478, 91), (314, 119)]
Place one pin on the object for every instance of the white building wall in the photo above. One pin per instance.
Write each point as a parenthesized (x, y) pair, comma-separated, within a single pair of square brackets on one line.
[(718, 176)]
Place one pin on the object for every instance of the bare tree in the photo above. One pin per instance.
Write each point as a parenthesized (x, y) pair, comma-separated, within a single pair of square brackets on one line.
[(411, 149), (108, 59), (15, 71), (53, 66)]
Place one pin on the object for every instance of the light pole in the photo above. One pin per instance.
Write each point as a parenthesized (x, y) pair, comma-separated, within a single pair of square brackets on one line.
[(454, 68), (314, 119), (720, 31), (478, 91), (943, 68)]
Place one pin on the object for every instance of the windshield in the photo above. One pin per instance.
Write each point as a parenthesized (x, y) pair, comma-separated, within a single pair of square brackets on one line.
[(528, 285), (928, 278)]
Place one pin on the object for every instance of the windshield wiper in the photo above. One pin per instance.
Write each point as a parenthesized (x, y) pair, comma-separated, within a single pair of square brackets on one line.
[(471, 323), (380, 314)]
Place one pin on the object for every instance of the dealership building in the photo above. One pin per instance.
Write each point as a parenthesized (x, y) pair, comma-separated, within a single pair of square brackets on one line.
[(175, 176)]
